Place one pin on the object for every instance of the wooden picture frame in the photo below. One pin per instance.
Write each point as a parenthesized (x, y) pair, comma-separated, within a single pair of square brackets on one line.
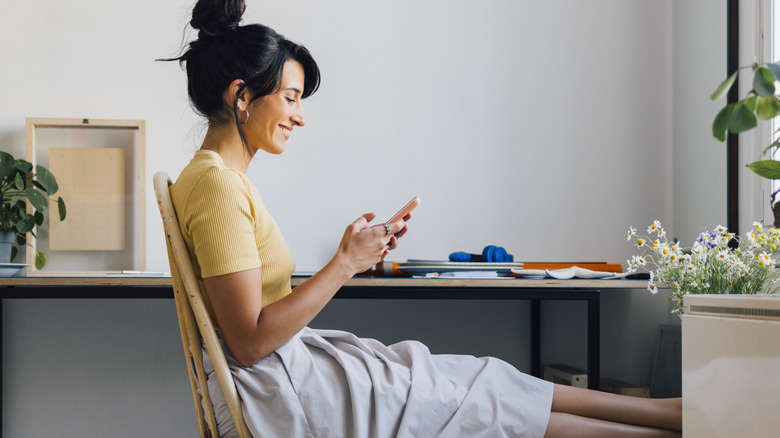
[(102, 169)]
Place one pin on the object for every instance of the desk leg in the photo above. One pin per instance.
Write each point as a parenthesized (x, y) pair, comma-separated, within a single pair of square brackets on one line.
[(536, 338), (594, 346)]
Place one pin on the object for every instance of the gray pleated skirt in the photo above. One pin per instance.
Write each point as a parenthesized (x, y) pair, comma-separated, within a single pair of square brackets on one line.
[(325, 383)]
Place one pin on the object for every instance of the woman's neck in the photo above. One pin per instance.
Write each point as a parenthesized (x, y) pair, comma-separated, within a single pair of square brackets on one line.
[(226, 141)]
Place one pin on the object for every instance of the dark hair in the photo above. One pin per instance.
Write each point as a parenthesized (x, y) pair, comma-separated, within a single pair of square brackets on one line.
[(225, 51)]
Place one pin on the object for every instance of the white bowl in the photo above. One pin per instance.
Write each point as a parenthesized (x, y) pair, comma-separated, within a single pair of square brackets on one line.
[(10, 269)]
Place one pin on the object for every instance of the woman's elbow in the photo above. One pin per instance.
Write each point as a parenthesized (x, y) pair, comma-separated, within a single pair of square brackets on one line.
[(246, 356)]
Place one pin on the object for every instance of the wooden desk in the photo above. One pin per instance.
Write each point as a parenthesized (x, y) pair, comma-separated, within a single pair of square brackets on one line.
[(534, 291)]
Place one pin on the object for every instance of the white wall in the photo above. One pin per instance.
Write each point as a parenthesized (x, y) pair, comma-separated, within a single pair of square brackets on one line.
[(519, 124), (544, 127), (530, 125)]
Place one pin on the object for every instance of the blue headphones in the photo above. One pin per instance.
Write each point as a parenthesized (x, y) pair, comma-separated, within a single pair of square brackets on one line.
[(491, 254)]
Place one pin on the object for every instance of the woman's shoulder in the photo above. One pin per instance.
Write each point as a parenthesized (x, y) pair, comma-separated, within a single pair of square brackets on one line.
[(206, 171), (207, 177)]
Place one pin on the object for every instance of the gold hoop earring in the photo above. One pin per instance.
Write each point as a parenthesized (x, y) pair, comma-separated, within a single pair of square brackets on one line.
[(247, 117)]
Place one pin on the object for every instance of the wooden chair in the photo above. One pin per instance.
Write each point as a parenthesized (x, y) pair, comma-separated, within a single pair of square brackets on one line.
[(195, 322)]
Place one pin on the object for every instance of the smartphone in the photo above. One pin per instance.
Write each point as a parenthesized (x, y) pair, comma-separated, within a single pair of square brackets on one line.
[(404, 211)]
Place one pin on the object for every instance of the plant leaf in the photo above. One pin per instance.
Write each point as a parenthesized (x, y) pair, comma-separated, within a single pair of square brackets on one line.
[(775, 69), (19, 182), (750, 102), (23, 225), (721, 123), (24, 166), (763, 82), (742, 119), (40, 260), (6, 164), (773, 145), (46, 179), (724, 87), (38, 201), (38, 218), (61, 207), (768, 107), (766, 168)]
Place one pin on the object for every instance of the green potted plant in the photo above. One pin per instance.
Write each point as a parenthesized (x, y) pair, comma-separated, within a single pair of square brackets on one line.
[(21, 183), (761, 102)]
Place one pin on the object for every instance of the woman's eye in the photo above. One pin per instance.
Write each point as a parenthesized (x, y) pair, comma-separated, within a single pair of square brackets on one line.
[(290, 100)]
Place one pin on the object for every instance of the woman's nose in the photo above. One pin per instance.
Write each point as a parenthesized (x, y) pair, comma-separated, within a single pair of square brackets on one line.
[(298, 117)]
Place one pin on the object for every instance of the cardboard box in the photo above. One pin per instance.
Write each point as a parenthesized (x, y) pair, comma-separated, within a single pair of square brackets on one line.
[(565, 375), (624, 388)]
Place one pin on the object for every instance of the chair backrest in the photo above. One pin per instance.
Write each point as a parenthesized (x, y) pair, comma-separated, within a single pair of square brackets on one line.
[(195, 322)]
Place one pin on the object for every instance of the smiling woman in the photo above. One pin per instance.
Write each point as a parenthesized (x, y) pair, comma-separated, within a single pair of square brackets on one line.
[(297, 381), (280, 111)]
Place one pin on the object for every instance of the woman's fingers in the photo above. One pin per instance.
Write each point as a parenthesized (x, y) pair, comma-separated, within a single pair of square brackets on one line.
[(366, 245)]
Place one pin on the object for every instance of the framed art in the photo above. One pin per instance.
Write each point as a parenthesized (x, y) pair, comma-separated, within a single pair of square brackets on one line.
[(100, 167)]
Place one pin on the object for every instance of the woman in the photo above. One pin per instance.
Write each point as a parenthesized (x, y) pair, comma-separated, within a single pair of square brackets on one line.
[(248, 81)]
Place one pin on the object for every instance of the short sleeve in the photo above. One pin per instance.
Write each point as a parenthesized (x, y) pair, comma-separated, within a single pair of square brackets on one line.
[(220, 219)]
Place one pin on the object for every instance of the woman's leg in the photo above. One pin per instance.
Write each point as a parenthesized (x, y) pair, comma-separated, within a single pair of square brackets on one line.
[(613, 408), (567, 426)]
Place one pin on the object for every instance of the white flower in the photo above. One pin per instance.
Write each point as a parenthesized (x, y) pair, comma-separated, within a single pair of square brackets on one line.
[(631, 232), (712, 264), (765, 259)]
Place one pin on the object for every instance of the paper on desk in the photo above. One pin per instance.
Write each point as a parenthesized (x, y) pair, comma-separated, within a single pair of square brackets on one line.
[(569, 273), (464, 274)]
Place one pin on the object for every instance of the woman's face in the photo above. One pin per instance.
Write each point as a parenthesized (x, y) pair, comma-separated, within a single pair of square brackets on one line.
[(273, 117)]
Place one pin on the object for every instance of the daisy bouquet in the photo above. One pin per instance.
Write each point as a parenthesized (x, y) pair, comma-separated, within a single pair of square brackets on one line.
[(719, 262)]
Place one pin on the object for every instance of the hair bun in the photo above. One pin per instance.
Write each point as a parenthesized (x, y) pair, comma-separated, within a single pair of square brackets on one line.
[(217, 17)]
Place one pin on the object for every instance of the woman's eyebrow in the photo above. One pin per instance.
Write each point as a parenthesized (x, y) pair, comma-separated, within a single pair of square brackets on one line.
[(293, 89)]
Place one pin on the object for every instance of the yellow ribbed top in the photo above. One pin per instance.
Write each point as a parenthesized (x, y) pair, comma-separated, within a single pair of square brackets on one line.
[(226, 227)]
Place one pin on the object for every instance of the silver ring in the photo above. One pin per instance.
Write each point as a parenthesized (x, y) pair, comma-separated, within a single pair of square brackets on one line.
[(387, 230)]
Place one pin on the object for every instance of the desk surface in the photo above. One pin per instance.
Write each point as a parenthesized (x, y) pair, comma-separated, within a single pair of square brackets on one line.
[(358, 281)]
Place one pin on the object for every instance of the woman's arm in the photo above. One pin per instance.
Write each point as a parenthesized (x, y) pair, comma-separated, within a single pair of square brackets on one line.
[(252, 331)]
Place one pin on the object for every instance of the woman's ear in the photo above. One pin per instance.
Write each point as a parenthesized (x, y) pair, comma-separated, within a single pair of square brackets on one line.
[(237, 92)]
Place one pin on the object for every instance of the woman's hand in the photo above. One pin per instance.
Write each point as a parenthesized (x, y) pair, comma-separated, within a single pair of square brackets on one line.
[(253, 331), (397, 235), (363, 246)]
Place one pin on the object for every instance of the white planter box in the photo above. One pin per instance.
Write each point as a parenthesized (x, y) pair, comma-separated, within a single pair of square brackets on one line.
[(731, 362)]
